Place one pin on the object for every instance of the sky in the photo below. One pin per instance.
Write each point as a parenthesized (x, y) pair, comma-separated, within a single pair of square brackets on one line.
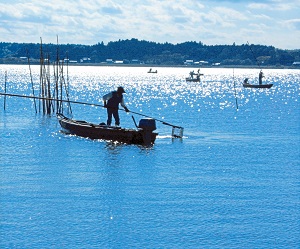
[(212, 22)]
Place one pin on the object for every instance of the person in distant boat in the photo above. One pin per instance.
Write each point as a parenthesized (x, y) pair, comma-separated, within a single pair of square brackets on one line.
[(260, 76), (246, 81), (111, 102), (192, 74)]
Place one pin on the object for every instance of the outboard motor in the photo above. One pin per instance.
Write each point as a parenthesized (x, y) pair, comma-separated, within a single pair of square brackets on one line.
[(147, 125)]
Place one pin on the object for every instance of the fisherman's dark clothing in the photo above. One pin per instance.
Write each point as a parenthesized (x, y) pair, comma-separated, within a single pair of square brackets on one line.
[(260, 76), (113, 100)]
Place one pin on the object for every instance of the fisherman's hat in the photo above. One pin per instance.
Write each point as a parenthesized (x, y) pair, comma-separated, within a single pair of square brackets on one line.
[(121, 90)]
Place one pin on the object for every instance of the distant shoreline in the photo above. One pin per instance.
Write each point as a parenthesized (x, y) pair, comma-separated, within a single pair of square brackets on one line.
[(160, 66)]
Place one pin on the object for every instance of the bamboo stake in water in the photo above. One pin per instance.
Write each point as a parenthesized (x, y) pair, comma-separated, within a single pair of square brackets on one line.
[(5, 88), (236, 102), (49, 103), (57, 75), (41, 78), (31, 80)]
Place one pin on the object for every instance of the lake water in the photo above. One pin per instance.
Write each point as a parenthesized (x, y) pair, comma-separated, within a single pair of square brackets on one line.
[(232, 181)]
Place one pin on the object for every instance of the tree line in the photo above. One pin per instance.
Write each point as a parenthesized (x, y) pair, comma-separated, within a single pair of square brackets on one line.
[(147, 52)]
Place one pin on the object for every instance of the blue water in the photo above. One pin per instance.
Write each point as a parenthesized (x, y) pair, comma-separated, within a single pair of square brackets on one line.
[(233, 181)]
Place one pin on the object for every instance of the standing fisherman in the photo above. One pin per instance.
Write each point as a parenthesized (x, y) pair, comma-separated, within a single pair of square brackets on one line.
[(260, 76), (111, 102)]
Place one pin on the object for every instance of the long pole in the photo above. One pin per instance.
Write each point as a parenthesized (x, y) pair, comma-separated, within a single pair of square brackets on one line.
[(58, 104), (84, 103), (254, 55), (236, 102), (41, 77), (31, 80), (5, 88), (67, 94), (163, 122)]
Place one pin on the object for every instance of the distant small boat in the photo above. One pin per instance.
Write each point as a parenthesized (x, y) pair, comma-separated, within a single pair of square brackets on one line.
[(190, 79), (150, 71), (248, 85), (194, 77), (143, 135), (257, 86)]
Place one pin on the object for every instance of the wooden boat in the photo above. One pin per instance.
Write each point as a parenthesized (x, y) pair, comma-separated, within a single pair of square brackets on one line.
[(257, 86), (248, 85), (190, 79), (151, 71), (143, 135), (197, 75)]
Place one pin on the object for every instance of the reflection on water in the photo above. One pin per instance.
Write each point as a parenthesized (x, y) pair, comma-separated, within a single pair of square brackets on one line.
[(232, 176)]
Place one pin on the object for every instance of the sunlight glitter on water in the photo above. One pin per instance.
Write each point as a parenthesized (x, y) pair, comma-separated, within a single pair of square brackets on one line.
[(218, 87), (234, 173)]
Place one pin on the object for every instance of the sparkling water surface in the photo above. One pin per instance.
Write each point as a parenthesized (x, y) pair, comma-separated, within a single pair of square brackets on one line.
[(233, 181)]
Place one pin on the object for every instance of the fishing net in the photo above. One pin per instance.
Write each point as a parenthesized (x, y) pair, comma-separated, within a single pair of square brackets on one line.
[(177, 132)]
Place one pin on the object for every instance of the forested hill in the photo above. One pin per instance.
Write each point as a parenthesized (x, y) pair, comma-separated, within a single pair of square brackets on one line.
[(135, 52)]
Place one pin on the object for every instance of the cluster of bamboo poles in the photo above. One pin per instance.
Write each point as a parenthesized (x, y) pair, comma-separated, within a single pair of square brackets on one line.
[(52, 92), (53, 86)]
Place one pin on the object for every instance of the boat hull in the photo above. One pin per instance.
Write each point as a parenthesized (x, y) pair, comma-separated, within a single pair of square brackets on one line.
[(257, 86), (94, 131), (192, 80)]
